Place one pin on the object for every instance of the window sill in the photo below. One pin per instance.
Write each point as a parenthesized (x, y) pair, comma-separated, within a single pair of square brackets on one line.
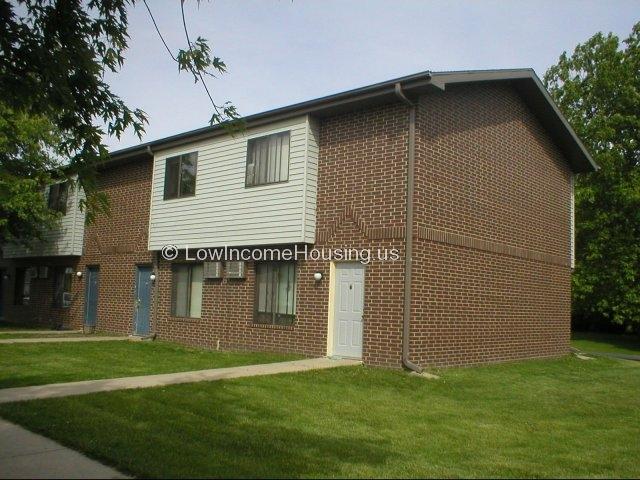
[(270, 326), (184, 319)]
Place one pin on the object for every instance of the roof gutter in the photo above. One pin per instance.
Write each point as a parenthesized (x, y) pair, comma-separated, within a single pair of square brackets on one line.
[(408, 237)]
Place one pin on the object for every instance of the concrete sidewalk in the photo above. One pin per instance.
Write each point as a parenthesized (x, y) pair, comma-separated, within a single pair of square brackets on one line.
[(26, 455), (38, 332), (145, 381), (61, 340), (621, 356)]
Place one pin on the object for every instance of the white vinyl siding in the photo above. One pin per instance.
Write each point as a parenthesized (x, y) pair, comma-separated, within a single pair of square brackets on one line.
[(224, 211), (313, 134), (66, 238)]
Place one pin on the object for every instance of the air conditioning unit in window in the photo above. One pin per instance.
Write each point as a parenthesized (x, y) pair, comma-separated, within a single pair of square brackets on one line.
[(67, 297), (235, 269), (212, 270), (43, 272), (32, 272)]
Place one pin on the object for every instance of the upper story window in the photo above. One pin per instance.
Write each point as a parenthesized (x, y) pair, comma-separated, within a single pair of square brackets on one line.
[(268, 159), (180, 176), (58, 195)]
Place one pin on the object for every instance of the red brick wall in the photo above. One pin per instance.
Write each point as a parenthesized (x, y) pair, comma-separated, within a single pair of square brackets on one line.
[(500, 289), (116, 243)]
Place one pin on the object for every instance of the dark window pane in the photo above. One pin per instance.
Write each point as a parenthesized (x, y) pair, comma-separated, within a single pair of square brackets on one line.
[(171, 177), (62, 286), (58, 196), (22, 287), (188, 175), (63, 195)]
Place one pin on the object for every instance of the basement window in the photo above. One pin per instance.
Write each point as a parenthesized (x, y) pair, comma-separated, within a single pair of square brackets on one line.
[(275, 297), (268, 159), (180, 176), (186, 290)]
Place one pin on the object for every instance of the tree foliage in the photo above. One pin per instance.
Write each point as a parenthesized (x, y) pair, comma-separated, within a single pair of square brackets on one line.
[(598, 89), (56, 106)]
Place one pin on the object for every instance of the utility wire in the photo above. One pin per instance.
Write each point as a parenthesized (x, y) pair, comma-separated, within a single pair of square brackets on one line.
[(186, 32), (158, 30), (197, 71)]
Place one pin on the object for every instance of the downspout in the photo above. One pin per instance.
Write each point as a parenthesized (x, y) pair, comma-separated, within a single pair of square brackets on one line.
[(408, 242)]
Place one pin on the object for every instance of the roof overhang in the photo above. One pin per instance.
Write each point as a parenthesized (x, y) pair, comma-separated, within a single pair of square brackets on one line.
[(524, 80)]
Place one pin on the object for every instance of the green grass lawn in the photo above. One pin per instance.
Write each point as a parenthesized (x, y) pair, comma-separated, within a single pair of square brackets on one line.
[(555, 418), (606, 342), (42, 363)]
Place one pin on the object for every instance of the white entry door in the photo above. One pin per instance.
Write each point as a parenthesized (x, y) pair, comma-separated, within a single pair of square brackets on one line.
[(349, 303)]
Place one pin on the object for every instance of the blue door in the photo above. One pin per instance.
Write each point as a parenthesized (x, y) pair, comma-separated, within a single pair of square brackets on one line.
[(142, 301), (91, 297)]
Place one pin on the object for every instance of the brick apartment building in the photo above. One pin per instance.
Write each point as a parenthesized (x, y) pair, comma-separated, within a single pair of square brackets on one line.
[(471, 173)]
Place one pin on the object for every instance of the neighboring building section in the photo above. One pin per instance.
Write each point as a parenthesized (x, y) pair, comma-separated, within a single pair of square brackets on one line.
[(67, 237), (106, 297)]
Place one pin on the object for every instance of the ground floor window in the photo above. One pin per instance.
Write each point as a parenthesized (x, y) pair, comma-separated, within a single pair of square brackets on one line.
[(22, 291), (186, 291), (275, 298), (62, 286)]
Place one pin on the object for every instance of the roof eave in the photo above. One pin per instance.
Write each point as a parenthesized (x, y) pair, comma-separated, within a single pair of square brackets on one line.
[(525, 81)]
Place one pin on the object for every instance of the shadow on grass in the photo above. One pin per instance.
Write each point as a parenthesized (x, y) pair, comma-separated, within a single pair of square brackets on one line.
[(192, 431), (606, 342)]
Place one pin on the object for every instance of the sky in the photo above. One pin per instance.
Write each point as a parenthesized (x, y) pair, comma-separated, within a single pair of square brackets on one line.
[(280, 52)]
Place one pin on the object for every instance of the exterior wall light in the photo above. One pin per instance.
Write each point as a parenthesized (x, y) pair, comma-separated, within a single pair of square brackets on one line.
[(78, 274), (317, 276), (152, 277)]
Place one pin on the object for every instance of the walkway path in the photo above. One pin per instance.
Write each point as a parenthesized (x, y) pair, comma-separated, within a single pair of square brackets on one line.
[(39, 332), (623, 356), (144, 381), (26, 455), (83, 338)]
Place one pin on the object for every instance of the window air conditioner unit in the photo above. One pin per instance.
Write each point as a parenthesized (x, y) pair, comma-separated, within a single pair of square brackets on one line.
[(67, 297), (212, 269), (235, 269), (43, 272), (32, 272)]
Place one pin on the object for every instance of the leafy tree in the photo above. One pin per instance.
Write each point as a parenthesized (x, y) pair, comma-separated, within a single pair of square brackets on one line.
[(56, 106), (598, 89)]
